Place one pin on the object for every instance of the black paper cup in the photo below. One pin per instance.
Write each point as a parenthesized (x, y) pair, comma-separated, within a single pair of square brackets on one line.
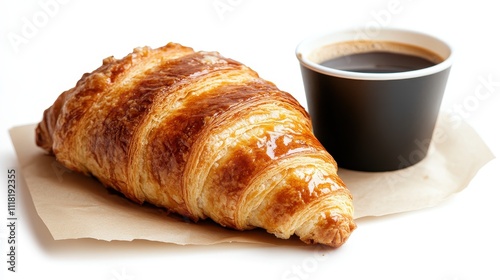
[(374, 121)]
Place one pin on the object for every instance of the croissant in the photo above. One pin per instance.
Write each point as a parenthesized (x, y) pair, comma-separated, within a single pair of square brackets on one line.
[(203, 136)]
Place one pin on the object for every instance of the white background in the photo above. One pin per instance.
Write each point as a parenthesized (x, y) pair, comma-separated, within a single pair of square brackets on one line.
[(46, 45)]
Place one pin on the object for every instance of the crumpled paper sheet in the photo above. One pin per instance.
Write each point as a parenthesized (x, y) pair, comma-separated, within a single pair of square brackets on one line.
[(74, 206)]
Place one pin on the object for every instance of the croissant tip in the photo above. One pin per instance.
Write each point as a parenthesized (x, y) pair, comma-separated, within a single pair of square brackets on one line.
[(345, 228), (43, 139), (332, 232)]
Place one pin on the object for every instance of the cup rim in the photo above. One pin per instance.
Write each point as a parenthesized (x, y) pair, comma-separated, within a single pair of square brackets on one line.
[(305, 47)]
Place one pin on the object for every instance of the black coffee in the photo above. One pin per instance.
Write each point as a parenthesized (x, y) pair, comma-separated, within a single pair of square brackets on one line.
[(378, 62)]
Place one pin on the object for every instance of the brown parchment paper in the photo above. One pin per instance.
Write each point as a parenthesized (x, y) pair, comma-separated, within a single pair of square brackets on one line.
[(74, 206)]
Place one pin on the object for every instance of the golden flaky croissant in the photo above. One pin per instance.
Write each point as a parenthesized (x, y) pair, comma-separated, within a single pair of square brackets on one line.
[(203, 136)]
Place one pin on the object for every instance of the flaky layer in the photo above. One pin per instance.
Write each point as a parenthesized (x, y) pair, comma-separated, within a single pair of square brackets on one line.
[(203, 136)]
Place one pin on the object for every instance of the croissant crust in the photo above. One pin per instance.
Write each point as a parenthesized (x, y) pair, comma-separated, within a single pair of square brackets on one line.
[(203, 136)]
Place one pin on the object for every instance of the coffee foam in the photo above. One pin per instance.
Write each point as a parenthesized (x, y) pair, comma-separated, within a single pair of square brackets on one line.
[(335, 50)]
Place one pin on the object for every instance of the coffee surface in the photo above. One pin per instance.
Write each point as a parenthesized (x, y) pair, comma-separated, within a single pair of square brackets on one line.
[(374, 56), (378, 62)]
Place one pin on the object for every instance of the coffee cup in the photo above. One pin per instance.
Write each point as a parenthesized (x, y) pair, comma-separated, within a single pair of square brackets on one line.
[(374, 100)]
